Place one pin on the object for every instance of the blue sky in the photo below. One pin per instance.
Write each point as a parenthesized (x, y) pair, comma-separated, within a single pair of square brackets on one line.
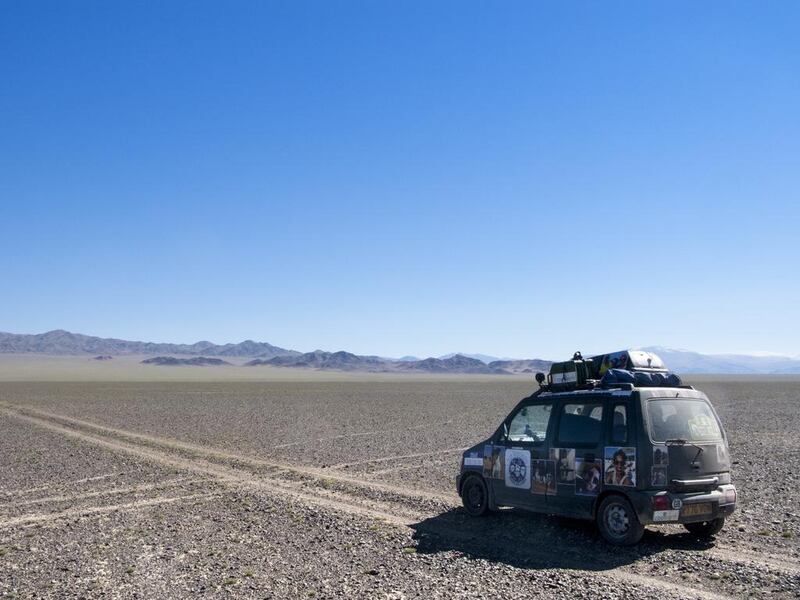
[(403, 178)]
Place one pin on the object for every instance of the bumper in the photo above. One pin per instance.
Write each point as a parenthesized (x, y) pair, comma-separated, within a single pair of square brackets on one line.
[(683, 506)]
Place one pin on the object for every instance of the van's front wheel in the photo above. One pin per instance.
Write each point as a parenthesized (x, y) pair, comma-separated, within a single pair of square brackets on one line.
[(706, 529), (618, 522), (475, 496)]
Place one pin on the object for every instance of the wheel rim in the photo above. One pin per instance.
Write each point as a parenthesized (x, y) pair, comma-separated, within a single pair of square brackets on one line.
[(617, 520), (474, 496)]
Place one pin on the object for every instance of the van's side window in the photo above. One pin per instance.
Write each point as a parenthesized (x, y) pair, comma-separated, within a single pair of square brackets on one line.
[(619, 426), (581, 424), (530, 424)]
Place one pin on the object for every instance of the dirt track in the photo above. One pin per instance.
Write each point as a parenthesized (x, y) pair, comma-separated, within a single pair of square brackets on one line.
[(93, 508)]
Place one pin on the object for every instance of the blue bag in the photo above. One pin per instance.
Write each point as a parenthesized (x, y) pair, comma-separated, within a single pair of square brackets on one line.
[(617, 376)]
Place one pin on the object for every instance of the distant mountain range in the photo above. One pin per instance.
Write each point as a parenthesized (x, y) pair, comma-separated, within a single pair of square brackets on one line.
[(195, 361), (345, 361), (688, 362), (64, 342), (484, 358), (60, 342)]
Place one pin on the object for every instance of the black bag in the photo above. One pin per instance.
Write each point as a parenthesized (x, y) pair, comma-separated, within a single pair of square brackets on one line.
[(570, 373)]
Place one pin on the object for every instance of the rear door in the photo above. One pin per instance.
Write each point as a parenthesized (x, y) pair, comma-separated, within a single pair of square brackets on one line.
[(577, 453), (519, 469), (702, 451)]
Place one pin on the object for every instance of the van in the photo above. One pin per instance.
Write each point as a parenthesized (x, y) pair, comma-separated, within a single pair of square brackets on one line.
[(621, 455)]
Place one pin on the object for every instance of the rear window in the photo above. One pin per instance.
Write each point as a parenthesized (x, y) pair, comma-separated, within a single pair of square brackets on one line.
[(682, 419), (580, 424)]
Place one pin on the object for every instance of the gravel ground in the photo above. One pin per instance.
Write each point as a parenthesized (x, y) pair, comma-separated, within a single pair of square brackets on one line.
[(344, 489)]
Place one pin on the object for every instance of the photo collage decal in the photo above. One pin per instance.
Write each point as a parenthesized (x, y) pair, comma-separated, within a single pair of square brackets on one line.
[(543, 477), (487, 460), (498, 464), (588, 476), (659, 470), (565, 465), (620, 464)]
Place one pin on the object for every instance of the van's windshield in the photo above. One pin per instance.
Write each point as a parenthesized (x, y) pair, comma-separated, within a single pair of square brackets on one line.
[(687, 419)]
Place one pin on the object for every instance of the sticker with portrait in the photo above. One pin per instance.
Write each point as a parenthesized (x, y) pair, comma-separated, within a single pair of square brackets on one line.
[(702, 427), (660, 468), (565, 465), (660, 455), (615, 360), (498, 464), (620, 464), (723, 457), (588, 476), (658, 475), (487, 460), (543, 476)]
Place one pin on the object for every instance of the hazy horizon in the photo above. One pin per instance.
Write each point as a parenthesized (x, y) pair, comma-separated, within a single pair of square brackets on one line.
[(534, 355)]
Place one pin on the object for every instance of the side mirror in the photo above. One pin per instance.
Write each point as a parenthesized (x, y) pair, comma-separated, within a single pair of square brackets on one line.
[(505, 432)]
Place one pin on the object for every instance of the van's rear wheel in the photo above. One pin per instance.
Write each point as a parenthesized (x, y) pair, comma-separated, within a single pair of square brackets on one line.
[(706, 529), (475, 496), (618, 522)]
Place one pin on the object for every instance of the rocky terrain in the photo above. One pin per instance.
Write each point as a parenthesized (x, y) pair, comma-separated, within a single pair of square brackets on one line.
[(345, 490)]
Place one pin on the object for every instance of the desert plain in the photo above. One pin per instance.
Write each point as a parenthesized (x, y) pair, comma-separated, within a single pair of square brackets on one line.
[(121, 481)]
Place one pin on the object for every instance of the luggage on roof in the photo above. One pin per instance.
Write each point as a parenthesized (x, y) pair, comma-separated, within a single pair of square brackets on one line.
[(571, 373), (630, 360), (629, 367)]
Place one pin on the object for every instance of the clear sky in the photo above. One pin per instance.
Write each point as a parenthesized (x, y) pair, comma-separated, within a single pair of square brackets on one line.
[(518, 179)]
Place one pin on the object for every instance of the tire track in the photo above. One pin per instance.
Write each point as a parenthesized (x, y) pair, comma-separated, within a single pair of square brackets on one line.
[(401, 516), (98, 510), (65, 484), (389, 470), (396, 457), (750, 558), (155, 442), (167, 452), (133, 489), (358, 434)]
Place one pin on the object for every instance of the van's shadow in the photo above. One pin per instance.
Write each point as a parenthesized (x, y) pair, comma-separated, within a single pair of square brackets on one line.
[(536, 541)]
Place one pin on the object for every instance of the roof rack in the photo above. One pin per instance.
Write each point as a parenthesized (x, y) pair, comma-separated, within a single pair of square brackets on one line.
[(624, 370), (592, 384)]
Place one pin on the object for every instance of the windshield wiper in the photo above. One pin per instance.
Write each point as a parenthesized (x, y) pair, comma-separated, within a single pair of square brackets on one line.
[(683, 442)]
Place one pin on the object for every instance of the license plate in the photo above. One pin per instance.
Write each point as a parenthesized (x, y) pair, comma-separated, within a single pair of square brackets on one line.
[(694, 510)]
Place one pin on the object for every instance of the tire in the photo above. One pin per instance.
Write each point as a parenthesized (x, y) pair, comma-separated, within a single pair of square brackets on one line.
[(475, 496), (618, 522), (705, 529)]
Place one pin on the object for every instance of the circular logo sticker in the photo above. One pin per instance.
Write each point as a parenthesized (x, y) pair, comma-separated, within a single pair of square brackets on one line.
[(517, 470)]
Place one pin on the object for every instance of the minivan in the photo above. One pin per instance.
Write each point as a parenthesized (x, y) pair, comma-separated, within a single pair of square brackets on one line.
[(622, 455)]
